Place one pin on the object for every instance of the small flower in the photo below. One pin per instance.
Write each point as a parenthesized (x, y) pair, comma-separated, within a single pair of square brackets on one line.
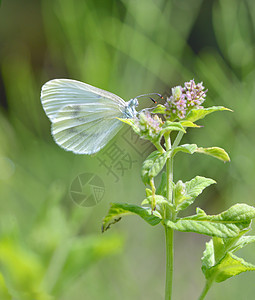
[(183, 99), (149, 125)]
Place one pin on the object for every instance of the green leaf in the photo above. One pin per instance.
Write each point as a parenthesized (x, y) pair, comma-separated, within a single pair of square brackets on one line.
[(159, 202), (225, 225), (148, 192), (186, 148), (131, 122), (242, 242), (208, 259), (179, 192), (229, 266), (161, 190), (153, 165), (159, 109), (186, 193), (189, 124), (118, 210), (197, 114), (169, 126), (223, 245), (216, 152), (218, 261), (128, 121)]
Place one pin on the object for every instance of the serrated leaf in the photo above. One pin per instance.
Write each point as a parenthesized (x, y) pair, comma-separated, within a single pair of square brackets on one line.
[(242, 242), (159, 109), (225, 225), (189, 124), (197, 114), (200, 212), (216, 152), (218, 262), (195, 186), (188, 191), (153, 164), (158, 200), (169, 126), (222, 246), (229, 266), (186, 148), (118, 210)]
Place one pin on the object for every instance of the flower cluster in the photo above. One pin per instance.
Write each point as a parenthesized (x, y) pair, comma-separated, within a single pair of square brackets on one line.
[(183, 99), (149, 125)]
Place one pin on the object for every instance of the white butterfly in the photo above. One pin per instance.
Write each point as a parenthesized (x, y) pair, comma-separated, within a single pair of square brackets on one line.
[(84, 118)]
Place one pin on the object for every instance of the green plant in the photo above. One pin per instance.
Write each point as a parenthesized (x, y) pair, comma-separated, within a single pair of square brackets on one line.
[(164, 202)]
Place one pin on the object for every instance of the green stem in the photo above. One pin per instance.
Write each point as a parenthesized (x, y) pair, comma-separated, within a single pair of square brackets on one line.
[(169, 174), (170, 215), (169, 171), (159, 147), (178, 139), (207, 286), (168, 231)]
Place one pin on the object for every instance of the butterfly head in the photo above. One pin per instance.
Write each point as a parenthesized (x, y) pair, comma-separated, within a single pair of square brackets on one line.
[(130, 111)]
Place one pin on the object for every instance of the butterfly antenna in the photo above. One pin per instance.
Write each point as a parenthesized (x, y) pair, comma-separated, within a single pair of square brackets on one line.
[(146, 95), (154, 101)]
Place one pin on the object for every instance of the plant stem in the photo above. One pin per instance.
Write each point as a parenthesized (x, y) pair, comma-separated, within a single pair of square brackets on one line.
[(169, 262), (169, 174), (169, 171), (159, 147), (168, 231), (178, 139), (207, 286)]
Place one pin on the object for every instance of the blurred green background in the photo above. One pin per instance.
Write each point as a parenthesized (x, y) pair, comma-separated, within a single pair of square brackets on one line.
[(51, 247)]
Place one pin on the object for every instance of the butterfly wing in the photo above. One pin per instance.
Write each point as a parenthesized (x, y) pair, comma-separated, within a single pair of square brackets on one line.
[(58, 93), (84, 118)]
